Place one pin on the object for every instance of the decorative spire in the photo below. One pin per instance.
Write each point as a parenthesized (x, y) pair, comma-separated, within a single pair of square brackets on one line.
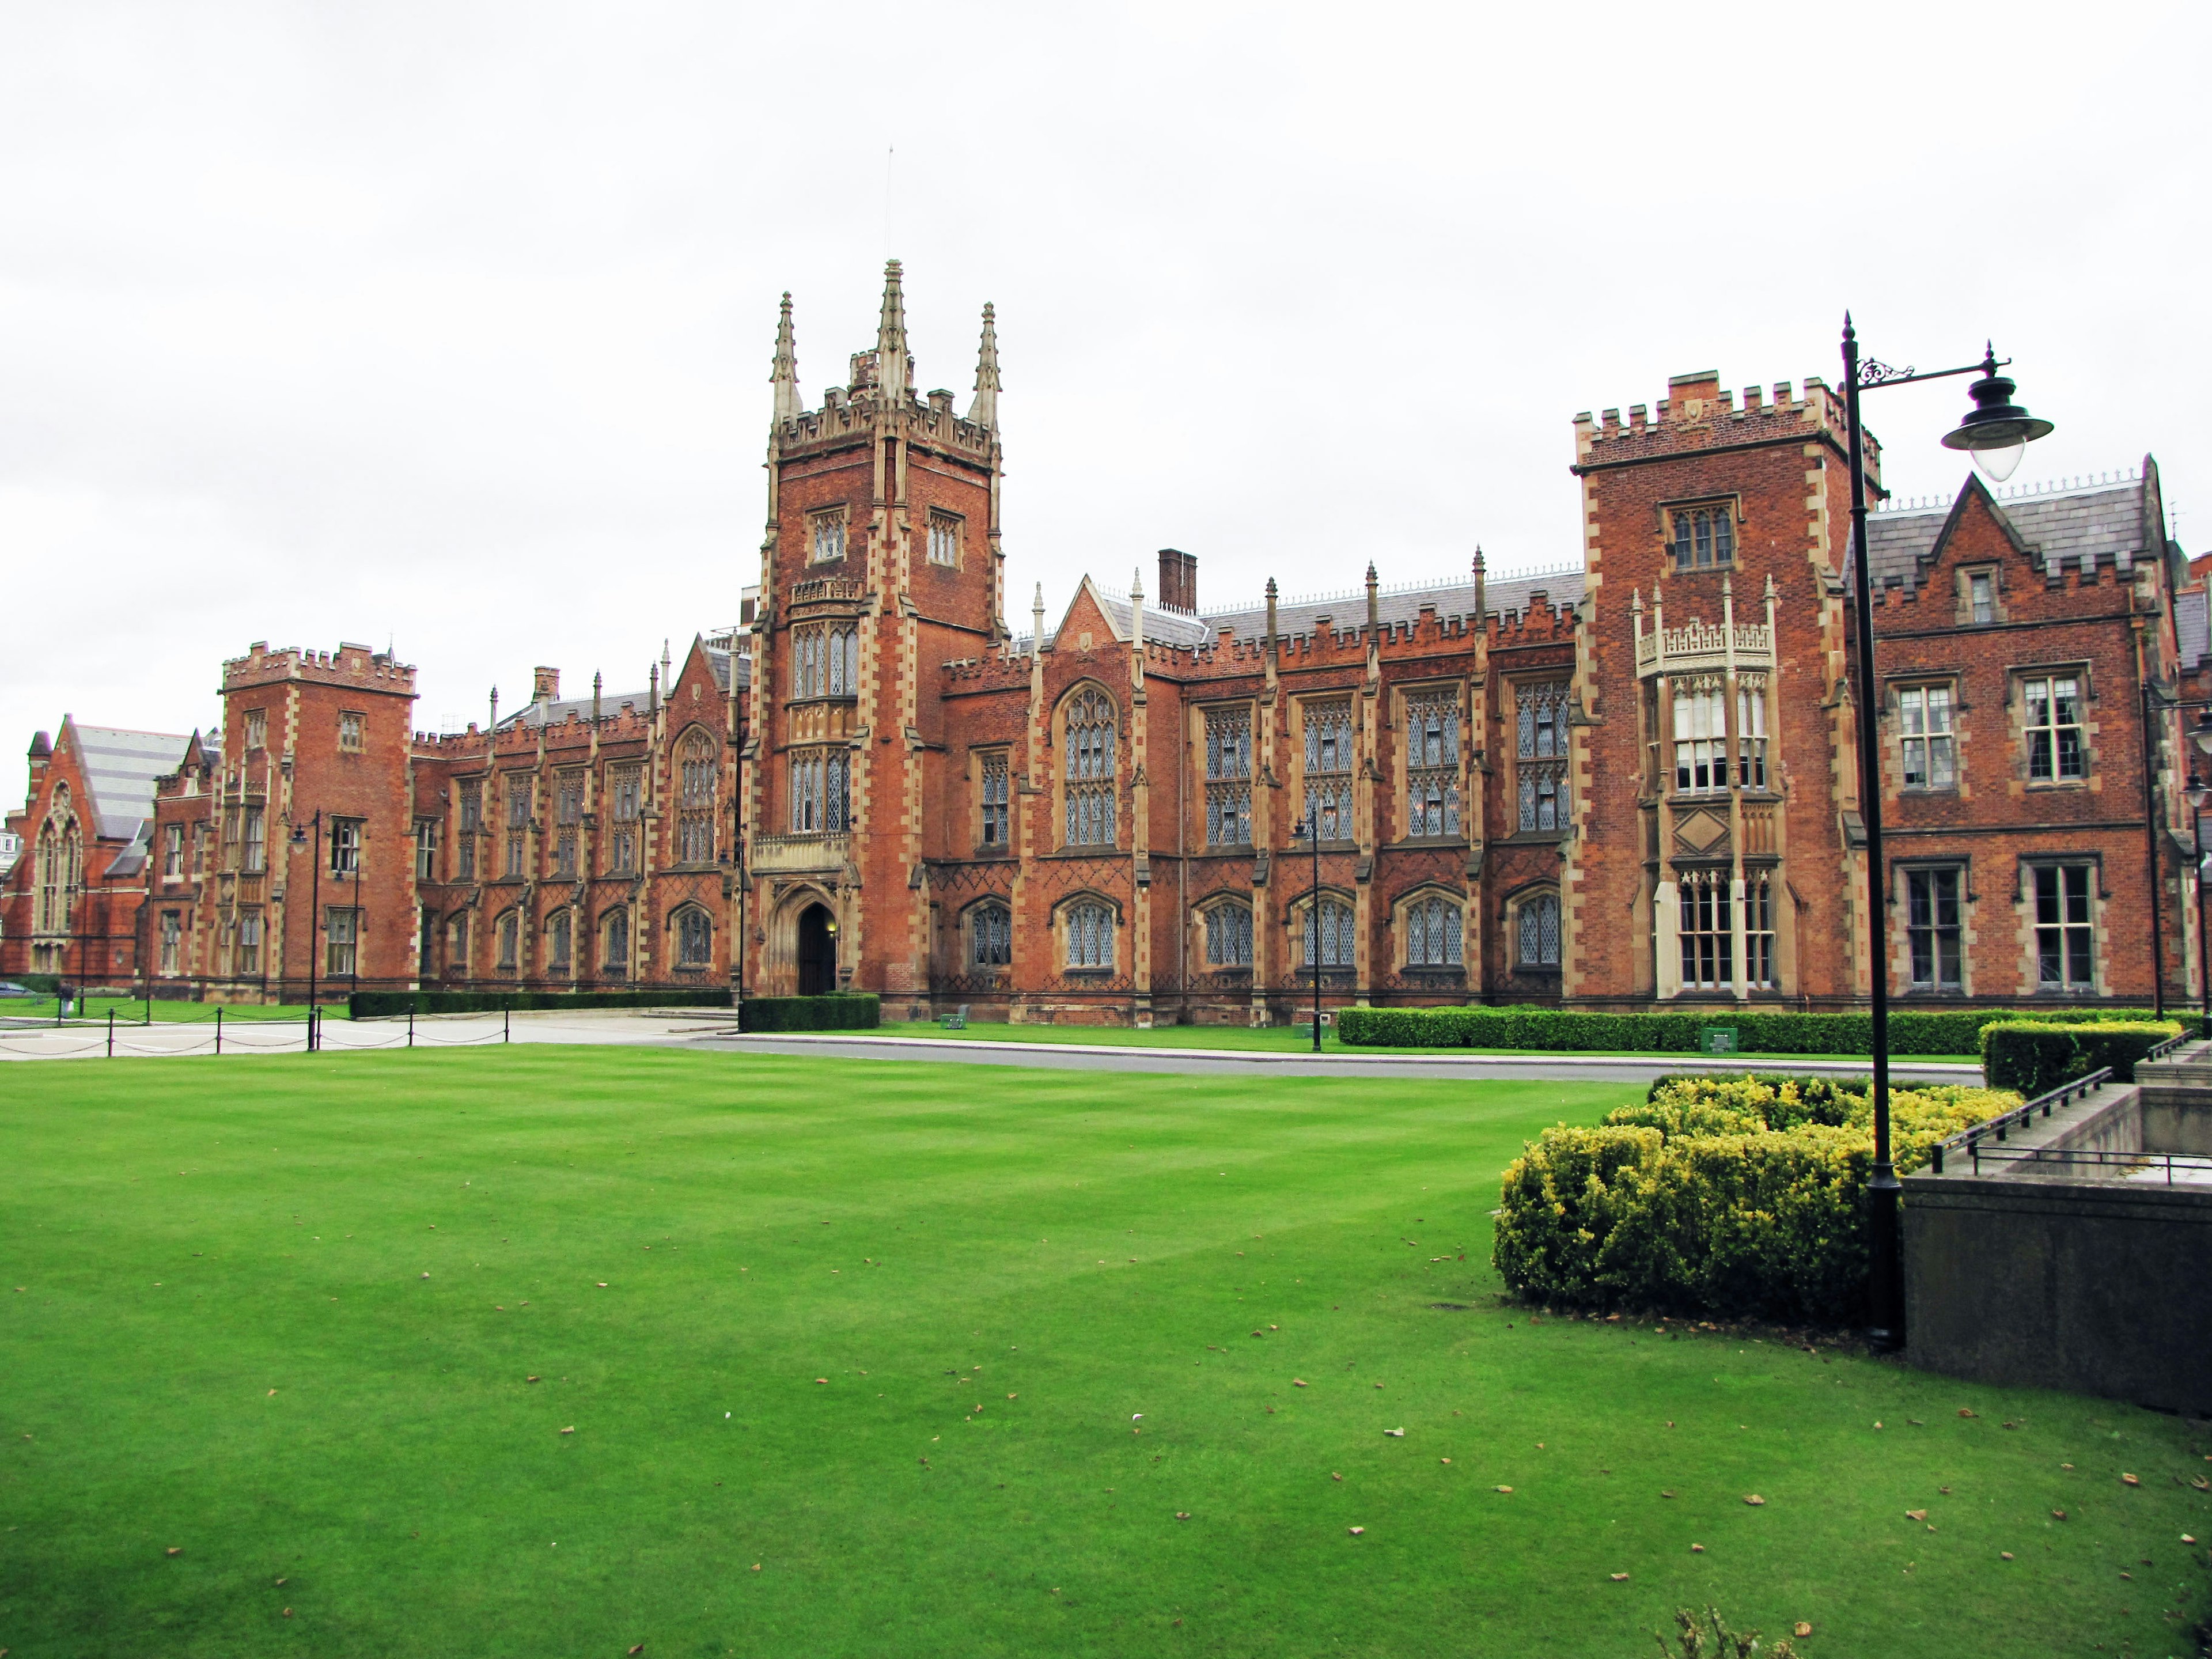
[(984, 411), (1482, 599), (595, 697), (1373, 605), (783, 373), (893, 369), (494, 709)]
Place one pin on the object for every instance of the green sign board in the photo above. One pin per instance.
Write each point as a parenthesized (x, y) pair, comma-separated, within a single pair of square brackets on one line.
[(1716, 1040)]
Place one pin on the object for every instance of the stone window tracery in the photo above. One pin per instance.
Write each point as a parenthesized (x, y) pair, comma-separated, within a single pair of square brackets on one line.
[(696, 787), (694, 937), (249, 941), (821, 782), (625, 798), (1338, 945), (1328, 769), (990, 936), (1434, 928), (1707, 930), (1229, 777), (945, 538), (1536, 932), (996, 825), (1090, 927), (1432, 763), (558, 932), (827, 537), (614, 959), (1229, 934), (1705, 536), (1090, 782), (1700, 735), (1539, 749)]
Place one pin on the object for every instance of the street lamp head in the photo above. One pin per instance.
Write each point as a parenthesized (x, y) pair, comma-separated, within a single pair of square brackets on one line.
[(1996, 431), (2198, 792), (2203, 733), (300, 835)]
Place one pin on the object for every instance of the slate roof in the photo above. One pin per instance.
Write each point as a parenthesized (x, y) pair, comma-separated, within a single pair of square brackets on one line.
[(2192, 624), (611, 703), (1403, 604), (119, 768), (2098, 524)]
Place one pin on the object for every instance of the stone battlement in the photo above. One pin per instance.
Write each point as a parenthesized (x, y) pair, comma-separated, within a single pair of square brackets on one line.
[(350, 664), (1698, 414)]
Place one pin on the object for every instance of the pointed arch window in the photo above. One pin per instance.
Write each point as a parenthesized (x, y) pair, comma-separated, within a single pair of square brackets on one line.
[(1328, 769), (990, 935), (1540, 755), (1089, 927), (1536, 932), (694, 937), (1090, 782), (614, 955), (1229, 935), (1336, 947), (697, 783), (1434, 929), (559, 938), (1229, 777)]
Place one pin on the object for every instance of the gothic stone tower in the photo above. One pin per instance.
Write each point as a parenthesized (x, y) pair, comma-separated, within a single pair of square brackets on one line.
[(881, 562), (1719, 800)]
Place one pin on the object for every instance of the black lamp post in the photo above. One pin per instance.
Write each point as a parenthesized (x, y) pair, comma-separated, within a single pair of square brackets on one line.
[(314, 911), (1994, 433), (1310, 832)]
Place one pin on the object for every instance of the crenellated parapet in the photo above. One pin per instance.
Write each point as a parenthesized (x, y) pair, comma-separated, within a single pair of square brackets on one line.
[(348, 665)]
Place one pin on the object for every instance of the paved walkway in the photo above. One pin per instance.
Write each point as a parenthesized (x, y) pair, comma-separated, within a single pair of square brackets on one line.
[(1444, 1064), (698, 1028)]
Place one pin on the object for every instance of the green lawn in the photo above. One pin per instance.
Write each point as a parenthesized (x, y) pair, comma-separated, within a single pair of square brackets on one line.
[(1290, 1040), (132, 1010), (768, 1295)]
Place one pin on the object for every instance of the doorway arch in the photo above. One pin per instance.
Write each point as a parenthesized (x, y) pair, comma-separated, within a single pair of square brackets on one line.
[(817, 951)]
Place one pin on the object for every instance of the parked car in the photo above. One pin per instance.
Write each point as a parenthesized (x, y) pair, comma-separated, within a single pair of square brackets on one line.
[(9, 988)]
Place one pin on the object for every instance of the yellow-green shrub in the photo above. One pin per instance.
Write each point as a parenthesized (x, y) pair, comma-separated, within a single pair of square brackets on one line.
[(1740, 1196)]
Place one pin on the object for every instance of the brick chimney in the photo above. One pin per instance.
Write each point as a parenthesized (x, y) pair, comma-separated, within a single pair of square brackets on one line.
[(544, 685), (1178, 581)]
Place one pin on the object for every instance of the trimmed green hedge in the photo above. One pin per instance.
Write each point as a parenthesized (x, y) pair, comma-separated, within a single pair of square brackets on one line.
[(2034, 1056), (45, 984), (846, 1011), (1734, 1197), (1559, 1031), (371, 1005)]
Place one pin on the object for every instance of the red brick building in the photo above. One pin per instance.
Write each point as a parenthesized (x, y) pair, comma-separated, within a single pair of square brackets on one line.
[(1627, 782)]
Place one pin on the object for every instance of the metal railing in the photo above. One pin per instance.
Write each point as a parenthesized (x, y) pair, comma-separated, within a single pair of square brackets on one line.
[(2065, 1157), (1970, 1140)]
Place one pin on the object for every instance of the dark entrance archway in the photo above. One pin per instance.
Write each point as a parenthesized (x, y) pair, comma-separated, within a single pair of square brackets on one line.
[(817, 951)]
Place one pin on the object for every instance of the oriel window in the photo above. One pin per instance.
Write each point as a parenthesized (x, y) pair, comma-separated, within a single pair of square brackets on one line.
[(1751, 733), (1700, 735), (255, 859)]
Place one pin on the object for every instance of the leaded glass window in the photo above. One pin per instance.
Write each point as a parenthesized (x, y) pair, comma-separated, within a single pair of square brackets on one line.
[(1705, 536), (1328, 769), (1090, 780), (1228, 777), (697, 783), (991, 936), (1090, 935), (996, 826), (1336, 946), (1433, 927), (1540, 749), (694, 938), (1539, 919), (1229, 936)]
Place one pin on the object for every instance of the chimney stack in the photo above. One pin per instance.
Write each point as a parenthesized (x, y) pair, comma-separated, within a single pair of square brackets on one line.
[(1178, 581), (544, 685)]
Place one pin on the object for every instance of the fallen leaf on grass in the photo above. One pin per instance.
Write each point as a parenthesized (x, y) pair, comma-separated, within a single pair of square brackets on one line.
[(1504, 1489), (821, 1379), (1963, 1412), (176, 1549), (1754, 1499), (1335, 1476), (571, 1428), (2005, 1555), (2187, 1539), (1620, 1579), (1946, 1490), (756, 1567), (1395, 1434), (2198, 1481), (2065, 1465), (1916, 1514), (2058, 1515), (1182, 1515), (1444, 1460), (1802, 1628), (1297, 1382), (530, 1379), (288, 1613), (281, 1583), (1696, 1549), (2129, 1480), (1666, 1494), (1355, 1531)]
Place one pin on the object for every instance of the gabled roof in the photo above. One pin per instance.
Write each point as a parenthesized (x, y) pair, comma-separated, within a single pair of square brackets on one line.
[(553, 713), (118, 767), (2096, 525)]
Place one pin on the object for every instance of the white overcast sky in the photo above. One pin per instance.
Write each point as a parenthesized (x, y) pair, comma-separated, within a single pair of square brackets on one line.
[(449, 323)]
